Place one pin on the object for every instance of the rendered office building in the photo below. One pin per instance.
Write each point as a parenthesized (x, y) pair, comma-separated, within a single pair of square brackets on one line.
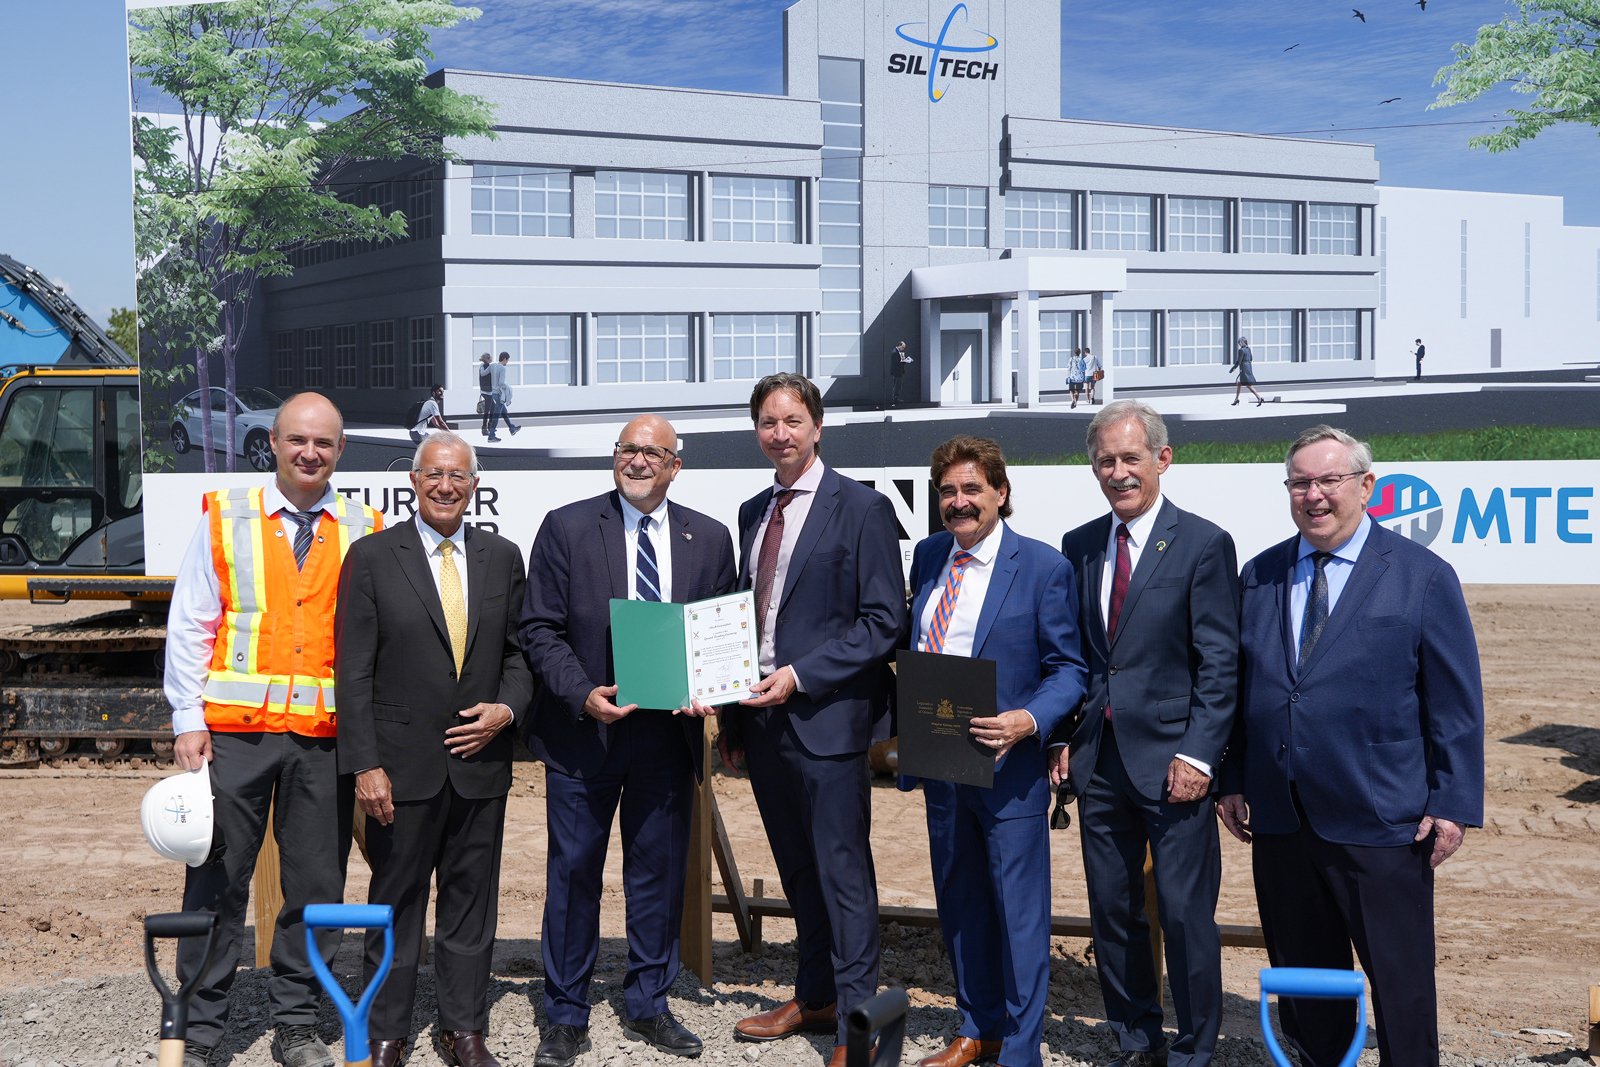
[(639, 248)]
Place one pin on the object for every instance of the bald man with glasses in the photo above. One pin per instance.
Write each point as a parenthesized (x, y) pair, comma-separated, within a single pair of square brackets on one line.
[(630, 543)]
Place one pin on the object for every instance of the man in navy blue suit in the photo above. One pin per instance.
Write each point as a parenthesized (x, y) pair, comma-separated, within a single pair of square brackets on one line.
[(981, 590), (628, 544), (822, 554), (1357, 761), (1158, 601)]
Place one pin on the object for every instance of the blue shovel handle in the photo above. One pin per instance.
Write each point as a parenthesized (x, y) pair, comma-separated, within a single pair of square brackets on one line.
[(354, 1017), (1322, 984)]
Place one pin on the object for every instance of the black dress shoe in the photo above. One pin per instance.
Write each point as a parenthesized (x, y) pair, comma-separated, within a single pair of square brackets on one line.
[(560, 1045), (665, 1033), (388, 1053), (1140, 1058)]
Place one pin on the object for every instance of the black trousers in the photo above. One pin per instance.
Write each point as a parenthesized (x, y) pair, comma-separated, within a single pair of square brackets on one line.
[(460, 839), (311, 819), (1316, 899), (818, 815)]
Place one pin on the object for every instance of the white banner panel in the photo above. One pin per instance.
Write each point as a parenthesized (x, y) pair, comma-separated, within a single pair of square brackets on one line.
[(1507, 522)]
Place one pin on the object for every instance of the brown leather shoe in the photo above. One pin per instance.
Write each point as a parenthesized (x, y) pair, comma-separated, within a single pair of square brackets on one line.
[(841, 1055), (790, 1017), (962, 1051), (463, 1048), (388, 1053)]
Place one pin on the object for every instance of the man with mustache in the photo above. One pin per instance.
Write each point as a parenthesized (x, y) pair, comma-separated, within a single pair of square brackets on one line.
[(981, 590), (1158, 596), (631, 543)]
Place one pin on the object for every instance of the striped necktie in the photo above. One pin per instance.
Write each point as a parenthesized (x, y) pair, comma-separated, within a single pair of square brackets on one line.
[(307, 521), (947, 602), (647, 576)]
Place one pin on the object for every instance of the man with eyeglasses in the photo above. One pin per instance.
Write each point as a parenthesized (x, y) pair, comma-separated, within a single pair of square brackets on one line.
[(631, 543), (1158, 602), (1356, 762), (429, 677)]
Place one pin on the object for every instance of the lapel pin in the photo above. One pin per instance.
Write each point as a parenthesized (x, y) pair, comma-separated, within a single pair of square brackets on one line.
[(1161, 546), (687, 536)]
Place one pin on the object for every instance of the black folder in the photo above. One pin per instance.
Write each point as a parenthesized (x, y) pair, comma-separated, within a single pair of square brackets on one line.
[(938, 697)]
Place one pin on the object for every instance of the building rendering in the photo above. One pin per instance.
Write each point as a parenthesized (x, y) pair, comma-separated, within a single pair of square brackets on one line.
[(637, 247)]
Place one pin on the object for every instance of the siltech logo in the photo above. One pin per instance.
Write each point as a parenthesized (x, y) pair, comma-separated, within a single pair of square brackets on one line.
[(1500, 514), (939, 67)]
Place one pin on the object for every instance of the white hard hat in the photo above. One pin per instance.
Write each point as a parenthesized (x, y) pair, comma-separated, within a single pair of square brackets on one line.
[(177, 818)]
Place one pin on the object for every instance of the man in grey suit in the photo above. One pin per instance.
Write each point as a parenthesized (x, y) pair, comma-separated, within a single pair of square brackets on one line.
[(1159, 611), (429, 675)]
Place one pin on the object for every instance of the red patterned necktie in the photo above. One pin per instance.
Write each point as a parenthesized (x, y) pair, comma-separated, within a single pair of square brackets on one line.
[(767, 559), (947, 602), (1119, 580)]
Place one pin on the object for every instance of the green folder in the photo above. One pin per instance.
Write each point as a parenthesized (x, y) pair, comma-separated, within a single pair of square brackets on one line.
[(653, 658)]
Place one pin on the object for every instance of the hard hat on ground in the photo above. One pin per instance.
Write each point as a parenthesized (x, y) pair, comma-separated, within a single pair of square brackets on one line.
[(177, 816)]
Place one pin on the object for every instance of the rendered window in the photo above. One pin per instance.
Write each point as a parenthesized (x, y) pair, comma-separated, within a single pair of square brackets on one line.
[(1271, 335), (1197, 339), (1266, 226), (1039, 219), (765, 209), (419, 205), (422, 368), (1331, 230), (958, 216), (1058, 336), (380, 353), (1331, 335), (642, 348), (283, 359), (521, 201), (636, 205), (540, 346), (1196, 225), (1133, 339), (344, 356), (752, 346), (311, 357), (1121, 222)]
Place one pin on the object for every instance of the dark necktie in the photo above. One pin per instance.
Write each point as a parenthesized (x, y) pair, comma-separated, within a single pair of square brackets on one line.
[(1316, 616), (947, 602), (767, 559), (647, 576), (1119, 580), (307, 521)]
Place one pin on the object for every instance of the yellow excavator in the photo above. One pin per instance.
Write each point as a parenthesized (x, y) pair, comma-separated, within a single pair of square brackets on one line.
[(71, 529)]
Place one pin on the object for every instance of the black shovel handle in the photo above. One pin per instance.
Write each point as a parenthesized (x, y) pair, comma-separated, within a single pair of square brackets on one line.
[(175, 1006)]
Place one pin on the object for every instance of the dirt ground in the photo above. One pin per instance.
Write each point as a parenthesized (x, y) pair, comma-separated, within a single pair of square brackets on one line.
[(1518, 944)]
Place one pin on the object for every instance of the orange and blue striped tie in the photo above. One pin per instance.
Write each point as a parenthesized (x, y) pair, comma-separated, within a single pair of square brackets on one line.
[(947, 602)]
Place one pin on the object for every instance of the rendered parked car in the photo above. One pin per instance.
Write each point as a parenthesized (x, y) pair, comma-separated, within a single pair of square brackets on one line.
[(252, 425)]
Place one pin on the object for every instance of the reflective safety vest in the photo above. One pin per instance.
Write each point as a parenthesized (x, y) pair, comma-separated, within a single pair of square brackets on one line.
[(272, 663)]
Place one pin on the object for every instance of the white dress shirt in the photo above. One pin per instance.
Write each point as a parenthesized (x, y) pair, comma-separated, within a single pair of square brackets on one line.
[(660, 540), (196, 613), (431, 540), (1139, 531), (794, 517), (1337, 571)]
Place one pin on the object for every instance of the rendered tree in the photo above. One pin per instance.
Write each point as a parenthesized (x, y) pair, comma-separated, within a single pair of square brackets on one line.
[(1545, 50), (279, 101), (123, 328)]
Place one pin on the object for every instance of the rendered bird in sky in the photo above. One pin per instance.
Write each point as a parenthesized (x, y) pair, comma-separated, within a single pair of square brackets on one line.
[(1391, 100), (1423, 4), (1292, 47), (1359, 14)]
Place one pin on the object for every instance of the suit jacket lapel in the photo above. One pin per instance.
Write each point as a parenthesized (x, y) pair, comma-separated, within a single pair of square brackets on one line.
[(1005, 572), (477, 581), (682, 552), (1094, 577), (1370, 565), (932, 582), (413, 563), (1162, 533), (614, 542), (826, 499), (1291, 651), (747, 541)]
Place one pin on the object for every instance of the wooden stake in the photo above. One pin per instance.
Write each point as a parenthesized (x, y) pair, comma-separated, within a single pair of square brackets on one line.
[(695, 949)]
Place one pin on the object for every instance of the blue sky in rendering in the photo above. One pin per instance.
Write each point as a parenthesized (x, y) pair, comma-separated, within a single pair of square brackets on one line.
[(1218, 65)]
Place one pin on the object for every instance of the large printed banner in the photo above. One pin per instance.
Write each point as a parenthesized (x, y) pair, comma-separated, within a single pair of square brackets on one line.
[(1505, 522)]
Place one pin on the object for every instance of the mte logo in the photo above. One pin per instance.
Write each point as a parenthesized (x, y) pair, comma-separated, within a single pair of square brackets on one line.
[(939, 67), (1409, 506)]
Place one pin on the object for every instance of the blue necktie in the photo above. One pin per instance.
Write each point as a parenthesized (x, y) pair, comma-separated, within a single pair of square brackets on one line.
[(1316, 616), (647, 576), (307, 521)]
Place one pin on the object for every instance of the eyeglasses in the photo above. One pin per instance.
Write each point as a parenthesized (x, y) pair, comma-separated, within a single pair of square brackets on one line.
[(459, 479), (655, 455), (1328, 483)]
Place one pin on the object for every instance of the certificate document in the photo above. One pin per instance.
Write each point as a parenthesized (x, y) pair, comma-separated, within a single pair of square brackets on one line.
[(937, 697), (664, 654)]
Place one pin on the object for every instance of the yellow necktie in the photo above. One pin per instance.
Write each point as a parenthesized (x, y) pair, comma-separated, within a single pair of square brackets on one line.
[(454, 604)]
